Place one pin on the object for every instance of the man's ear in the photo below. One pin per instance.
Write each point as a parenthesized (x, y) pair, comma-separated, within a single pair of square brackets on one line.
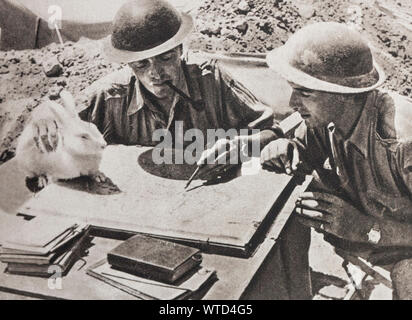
[(68, 102)]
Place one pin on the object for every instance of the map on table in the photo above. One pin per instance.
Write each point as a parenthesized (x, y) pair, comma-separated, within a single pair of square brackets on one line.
[(152, 200)]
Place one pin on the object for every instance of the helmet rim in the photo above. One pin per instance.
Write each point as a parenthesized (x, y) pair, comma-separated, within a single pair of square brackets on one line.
[(118, 55), (338, 78)]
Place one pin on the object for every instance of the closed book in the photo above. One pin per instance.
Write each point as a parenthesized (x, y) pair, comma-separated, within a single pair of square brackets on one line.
[(39, 232), (64, 261), (154, 258), (54, 245), (19, 258), (29, 259)]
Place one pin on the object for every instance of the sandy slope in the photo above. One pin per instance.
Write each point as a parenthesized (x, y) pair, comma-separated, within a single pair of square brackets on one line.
[(222, 25)]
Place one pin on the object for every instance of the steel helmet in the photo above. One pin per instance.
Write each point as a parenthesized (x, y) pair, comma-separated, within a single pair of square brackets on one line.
[(327, 56), (145, 28)]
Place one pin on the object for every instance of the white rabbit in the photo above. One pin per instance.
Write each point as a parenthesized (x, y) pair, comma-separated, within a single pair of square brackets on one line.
[(79, 149)]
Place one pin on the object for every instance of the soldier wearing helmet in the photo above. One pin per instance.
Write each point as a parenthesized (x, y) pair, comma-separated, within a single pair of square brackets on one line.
[(147, 35), (161, 88), (356, 141)]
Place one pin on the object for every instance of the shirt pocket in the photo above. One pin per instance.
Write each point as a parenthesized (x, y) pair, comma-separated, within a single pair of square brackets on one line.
[(398, 207)]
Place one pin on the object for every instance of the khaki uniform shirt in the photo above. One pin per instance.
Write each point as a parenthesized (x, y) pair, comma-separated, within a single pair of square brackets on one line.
[(372, 169), (128, 114)]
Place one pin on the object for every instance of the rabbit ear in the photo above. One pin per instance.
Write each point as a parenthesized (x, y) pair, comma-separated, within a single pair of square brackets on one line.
[(58, 111), (68, 102)]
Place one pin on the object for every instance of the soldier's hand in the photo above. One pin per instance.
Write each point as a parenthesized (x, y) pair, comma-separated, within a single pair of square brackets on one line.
[(329, 213), (280, 156), (223, 155)]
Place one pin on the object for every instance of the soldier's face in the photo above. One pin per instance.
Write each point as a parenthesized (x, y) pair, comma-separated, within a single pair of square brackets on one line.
[(316, 107), (155, 71)]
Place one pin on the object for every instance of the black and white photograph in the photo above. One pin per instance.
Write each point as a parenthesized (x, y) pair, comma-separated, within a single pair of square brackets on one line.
[(198, 150)]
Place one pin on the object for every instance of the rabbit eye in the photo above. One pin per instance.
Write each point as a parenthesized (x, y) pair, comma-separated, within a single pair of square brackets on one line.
[(84, 136)]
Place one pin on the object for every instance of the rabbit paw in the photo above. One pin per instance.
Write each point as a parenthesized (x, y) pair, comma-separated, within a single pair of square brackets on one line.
[(99, 177), (36, 184)]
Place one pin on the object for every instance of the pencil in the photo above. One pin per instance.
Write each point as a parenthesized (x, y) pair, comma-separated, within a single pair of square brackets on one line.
[(192, 177)]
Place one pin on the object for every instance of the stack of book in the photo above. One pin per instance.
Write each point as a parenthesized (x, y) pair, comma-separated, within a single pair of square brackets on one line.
[(36, 245), (151, 269)]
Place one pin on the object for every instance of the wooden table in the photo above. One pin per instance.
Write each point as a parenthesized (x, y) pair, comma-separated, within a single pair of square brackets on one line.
[(236, 276)]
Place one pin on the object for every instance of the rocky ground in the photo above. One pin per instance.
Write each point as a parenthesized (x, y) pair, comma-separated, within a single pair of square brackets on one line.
[(29, 73), (258, 26), (221, 25)]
